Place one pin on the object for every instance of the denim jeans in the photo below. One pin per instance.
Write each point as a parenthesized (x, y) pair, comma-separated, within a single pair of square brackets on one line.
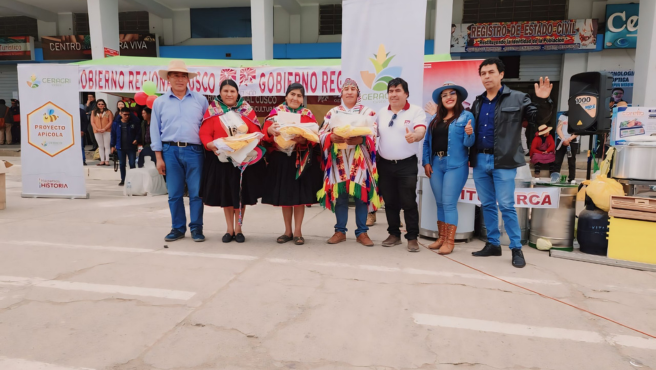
[(84, 155), (146, 151), (131, 155), (184, 165), (341, 213), (447, 186), (497, 186)]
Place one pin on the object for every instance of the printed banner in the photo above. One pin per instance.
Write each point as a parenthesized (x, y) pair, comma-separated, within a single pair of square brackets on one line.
[(621, 26), (547, 197), (571, 34), (622, 87), (461, 72), (373, 58), (17, 48), (252, 81), (78, 47), (632, 124), (50, 136)]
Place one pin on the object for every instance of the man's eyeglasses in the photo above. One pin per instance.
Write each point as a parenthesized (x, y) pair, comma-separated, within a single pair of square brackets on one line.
[(392, 121), (445, 95)]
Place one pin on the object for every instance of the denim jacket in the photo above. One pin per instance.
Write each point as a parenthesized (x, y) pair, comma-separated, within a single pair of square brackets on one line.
[(459, 142)]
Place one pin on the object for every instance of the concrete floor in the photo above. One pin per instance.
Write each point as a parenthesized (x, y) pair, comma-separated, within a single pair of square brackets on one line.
[(88, 284)]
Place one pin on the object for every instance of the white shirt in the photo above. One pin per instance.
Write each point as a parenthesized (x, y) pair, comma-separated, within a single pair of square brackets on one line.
[(392, 144)]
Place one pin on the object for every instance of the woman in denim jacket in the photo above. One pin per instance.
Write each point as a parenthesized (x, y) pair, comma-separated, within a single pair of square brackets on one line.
[(445, 158)]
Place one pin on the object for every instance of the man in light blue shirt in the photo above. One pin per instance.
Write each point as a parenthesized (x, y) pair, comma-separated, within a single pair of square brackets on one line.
[(174, 126)]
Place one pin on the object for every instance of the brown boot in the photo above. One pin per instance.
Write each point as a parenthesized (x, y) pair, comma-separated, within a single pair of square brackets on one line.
[(413, 246), (371, 219), (449, 243), (337, 238), (365, 240), (391, 241), (441, 227)]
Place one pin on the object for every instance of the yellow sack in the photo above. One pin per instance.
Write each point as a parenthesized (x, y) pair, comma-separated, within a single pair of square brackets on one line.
[(601, 189), (292, 130), (282, 143), (580, 196)]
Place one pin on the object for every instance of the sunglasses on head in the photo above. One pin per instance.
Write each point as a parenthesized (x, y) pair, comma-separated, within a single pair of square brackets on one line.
[(392, 121)]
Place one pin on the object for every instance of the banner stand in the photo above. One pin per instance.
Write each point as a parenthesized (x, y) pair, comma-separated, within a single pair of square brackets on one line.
[(51, 137)]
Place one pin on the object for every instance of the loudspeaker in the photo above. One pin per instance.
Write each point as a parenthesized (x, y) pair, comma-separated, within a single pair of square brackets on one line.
[(588, 113)]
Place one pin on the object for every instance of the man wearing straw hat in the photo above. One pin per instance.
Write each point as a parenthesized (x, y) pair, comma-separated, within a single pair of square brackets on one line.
[(175, 122)]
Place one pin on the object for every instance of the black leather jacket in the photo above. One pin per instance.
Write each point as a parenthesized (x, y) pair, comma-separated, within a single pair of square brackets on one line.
[(512, 107)]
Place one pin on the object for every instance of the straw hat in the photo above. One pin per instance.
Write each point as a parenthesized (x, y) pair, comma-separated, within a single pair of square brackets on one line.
[(449, 85), (176, 65), (543, 129)]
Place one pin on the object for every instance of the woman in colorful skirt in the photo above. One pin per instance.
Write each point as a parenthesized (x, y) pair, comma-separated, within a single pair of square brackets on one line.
[(293, 173), (227, 184), (350, 171)]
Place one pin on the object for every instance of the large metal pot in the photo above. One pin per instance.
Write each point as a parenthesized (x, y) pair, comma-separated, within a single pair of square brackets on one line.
[(555, 224), (635, 161)]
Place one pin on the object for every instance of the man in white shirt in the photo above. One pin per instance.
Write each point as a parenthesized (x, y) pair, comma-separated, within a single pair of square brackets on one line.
[(401, 126)]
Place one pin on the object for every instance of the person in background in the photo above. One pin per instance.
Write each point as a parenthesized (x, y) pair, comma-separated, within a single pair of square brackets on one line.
[(445, 159), (119, 105), (101, 120), (401, 126), (6, 119), (566, 145), (174, 131), (145, 141), (497, 151), (617, 95), (224, 184), (15, 112), (84, 124), (125, 136), (352, 171), (293, 179), (89, 107), (543, 150)]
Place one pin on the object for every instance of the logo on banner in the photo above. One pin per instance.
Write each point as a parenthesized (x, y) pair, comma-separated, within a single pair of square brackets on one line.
[(383, 72), (33, 82), (50, 129)]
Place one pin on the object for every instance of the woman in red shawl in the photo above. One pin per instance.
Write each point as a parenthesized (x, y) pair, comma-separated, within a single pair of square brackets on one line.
[(293, 175), (223, 184)]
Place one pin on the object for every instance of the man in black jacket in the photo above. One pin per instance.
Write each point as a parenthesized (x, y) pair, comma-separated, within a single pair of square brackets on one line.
[(498, 152)]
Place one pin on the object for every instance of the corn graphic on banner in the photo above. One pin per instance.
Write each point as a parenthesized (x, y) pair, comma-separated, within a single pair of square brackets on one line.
[(383, 40), (51, 138)]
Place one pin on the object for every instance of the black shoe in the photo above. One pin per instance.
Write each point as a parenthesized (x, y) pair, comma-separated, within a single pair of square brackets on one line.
[(240, 238), (174, 235), (227, 238), (121, 183), (84, 163), (197, 235), (518, 258), (488, 250)]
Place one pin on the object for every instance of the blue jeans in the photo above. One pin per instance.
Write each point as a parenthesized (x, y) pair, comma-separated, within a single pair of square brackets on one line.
[(447, 186), (84, 155), (131, 155), (184, 165), (341, 212), (497, 186)]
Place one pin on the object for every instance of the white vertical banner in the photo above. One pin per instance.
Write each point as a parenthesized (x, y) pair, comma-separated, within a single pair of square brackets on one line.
[(382, 40), (51, 153)]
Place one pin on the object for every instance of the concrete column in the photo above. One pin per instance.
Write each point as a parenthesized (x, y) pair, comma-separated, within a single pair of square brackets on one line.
[(645, 73), (181, 25), (281, 25), (46, 28), (103, 26), (309, 23), (262, 29), (295, 29), (443, 21), (64, 24)]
